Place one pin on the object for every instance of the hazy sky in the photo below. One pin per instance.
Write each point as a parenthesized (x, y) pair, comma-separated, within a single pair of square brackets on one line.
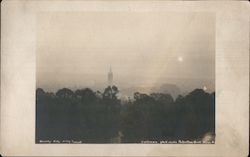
[(143, 48)]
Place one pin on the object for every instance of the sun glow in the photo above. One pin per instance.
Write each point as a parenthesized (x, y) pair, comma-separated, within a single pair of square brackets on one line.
[(180, 59)]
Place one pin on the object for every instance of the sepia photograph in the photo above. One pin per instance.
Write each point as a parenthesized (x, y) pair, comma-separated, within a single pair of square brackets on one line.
[(126, 77)]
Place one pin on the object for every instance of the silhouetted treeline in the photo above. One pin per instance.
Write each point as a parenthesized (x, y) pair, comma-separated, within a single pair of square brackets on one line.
[(96, 117)]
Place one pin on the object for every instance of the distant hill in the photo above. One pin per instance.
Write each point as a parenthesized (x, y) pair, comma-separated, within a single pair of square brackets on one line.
[(165, 88), (168, 88)]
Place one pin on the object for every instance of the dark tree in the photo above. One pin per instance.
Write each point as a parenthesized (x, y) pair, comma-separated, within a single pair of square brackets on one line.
[(65, 93), (96, 117)]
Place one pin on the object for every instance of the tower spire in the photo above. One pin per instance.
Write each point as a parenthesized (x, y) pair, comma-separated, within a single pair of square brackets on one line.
[(110, 76)]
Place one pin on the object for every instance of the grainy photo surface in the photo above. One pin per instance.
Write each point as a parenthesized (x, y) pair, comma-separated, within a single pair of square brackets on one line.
[(125, 77)]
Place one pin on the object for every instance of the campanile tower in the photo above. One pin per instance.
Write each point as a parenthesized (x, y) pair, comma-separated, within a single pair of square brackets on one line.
[(110, 77)]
